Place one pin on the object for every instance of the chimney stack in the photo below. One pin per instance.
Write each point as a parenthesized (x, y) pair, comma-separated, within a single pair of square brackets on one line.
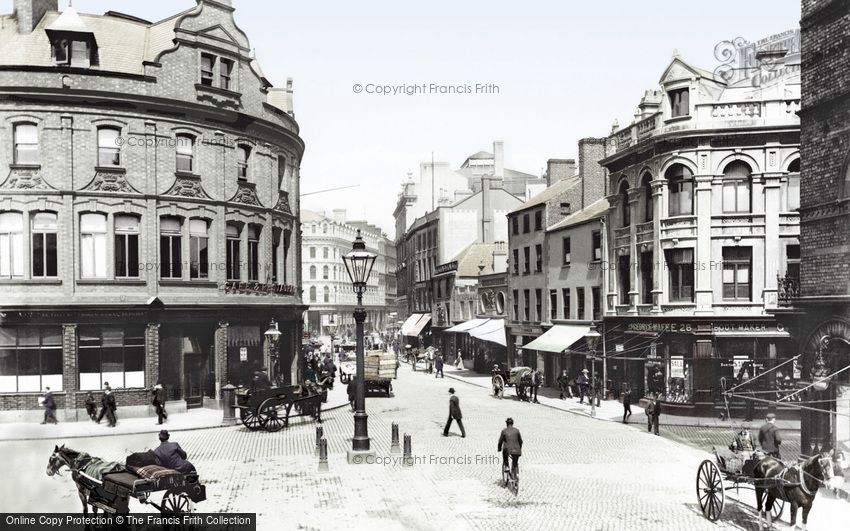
[(30, 12), (590, 152), (339, 215), (499, 159), (557, 169), (486, 210)]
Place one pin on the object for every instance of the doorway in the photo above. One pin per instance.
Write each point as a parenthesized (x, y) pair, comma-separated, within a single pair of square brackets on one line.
[(193, 374)]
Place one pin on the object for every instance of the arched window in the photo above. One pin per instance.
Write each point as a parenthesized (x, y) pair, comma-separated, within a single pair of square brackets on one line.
[(170, 247), (312, 272), (327, 294), (126, 246), (648, 201), (108, 152), (680, 182), (325, 273), (12, 244), (93, 246), (325, 253), (185, 152), (737, 188), (234, 271), (625, 208), (45, 226), (312, 293), (792, 190)]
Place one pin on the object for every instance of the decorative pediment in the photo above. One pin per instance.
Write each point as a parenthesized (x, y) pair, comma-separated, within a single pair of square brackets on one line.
[(219, 33), (246, 194), (188, 185), (108, 180), (680, 70), (25, 178), (282, 206)]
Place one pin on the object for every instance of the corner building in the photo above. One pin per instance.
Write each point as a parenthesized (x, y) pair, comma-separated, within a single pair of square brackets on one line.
[(703, 219), (148, 208)]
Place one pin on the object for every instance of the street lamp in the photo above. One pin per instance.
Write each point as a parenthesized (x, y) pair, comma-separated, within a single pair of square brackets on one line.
[(273, 335), (358, 263), (592, 338)]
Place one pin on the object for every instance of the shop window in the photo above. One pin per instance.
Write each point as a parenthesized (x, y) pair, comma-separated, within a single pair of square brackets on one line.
[(737, 277), (538, 254), (11, 244), (170, 248), (44, 248), (199, 256), (538, 305), (113, 355), (680, 265), (596, 245), (679, 102), (596, 297), (93, 246), (516, 261), (185, 151), (624, 274), (646, 277), (527, 304), (737, 188), (207, 69), (30, 359), (681, 190), (233, 252), (108, 152), (253, 252), (670, 377), (565, 300), (580, 304), (126, 246), (566, 251), (648, 202), (26, 144), (527, 254)]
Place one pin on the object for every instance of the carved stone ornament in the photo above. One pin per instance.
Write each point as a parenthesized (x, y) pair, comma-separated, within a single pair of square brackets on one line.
[(246, 194), (282, 205), (110, 181), (188, 186), (25, 179)]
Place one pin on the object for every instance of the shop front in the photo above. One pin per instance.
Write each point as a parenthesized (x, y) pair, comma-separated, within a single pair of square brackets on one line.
[(561, 348)]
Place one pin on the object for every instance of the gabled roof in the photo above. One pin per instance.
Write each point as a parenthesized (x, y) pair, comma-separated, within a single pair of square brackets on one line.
[(679, 69), (473, 256), (594, 211), (564, 184), (69, 20)]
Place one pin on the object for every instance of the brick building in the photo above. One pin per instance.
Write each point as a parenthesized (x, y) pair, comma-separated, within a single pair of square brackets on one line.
[(817, 296), (149, 207)]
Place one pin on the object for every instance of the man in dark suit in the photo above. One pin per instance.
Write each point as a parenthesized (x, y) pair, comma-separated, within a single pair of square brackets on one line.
[(158, 402), (49, 404), (510, 443), (170, 455), (583, 386), (653, 412), (107, 406), (454, 413), (769, 436), (438, 364), (536, 382)]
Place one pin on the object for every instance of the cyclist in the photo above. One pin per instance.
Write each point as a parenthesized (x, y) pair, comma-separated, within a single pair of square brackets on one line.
[(510, 443)]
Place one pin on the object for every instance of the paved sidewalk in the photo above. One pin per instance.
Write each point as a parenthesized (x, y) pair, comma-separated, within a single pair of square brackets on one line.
[(191, 420)]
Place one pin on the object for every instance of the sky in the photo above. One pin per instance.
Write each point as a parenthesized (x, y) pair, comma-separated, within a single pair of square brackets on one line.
[(564, 70)]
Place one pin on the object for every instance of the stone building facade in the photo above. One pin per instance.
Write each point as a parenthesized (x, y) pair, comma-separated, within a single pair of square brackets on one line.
[(148, 208)]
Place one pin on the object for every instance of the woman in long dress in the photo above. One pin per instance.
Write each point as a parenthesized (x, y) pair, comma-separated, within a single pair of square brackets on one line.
[(459, 361)]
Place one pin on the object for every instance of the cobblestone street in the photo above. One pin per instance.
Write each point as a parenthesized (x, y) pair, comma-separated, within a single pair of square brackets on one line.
[(576, 472)]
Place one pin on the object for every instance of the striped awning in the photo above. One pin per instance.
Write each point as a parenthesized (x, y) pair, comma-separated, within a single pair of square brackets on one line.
[(244, 336), (415, 323)]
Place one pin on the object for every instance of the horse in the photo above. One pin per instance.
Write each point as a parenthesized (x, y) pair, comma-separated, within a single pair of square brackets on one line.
[(90, 491), (797, 484)]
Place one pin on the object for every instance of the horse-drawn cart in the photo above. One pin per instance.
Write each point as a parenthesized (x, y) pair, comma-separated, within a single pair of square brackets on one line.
[(728, 472), (517, 376), (269, 409), (108, 486)]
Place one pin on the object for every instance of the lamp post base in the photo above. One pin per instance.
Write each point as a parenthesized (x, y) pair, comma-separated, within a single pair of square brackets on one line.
[(361, 457)]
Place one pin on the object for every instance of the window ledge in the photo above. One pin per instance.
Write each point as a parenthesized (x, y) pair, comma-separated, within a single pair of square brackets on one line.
[(196, 283), (110, 282), (24, 166), (736, 302), (200, 87), (110, 169), (184, 173), (566, 266), (31, 281)]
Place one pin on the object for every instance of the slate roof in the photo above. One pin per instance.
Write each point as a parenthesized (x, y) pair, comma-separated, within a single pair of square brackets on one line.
[(564, 184), (470, 258), (593, 211)]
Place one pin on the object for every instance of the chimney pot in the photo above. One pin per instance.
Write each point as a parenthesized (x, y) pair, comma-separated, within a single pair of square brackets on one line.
[(30, 12)]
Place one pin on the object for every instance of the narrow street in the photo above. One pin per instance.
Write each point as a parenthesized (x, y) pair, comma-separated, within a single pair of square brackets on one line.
[(576, 472)]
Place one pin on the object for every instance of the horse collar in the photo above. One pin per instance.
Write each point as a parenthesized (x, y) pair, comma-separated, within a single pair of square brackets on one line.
[(803, 475)]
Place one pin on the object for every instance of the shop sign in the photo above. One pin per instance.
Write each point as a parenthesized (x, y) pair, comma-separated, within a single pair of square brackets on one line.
[(677, 367), (619, 347), (243, 353), (685, 328), (259, 288), (741, 327), (446, 268)]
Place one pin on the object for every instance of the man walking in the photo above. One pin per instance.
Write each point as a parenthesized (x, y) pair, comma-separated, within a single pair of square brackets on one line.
[(107, 406), (454, 414), (510, 443), (49, 404), (627, 402), (653, 412), (438, 364), (159, 402), (564, 385), (596, 390), (770, 437), (536, 381), (583, 384), (91, 406)]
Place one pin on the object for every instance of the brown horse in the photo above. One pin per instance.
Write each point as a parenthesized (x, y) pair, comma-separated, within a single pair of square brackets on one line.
[(797, 484)]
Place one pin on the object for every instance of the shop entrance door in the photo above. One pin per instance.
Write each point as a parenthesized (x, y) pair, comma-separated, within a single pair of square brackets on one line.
[(193, 380)]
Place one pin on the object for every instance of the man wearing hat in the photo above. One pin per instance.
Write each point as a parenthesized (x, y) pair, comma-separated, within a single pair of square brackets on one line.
[(510, 444), (107, 406), (454, 413), (583, 385), (170, 455), (769, 436)]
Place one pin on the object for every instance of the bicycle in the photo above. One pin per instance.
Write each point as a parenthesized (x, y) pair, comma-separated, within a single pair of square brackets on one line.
[(510, 477)]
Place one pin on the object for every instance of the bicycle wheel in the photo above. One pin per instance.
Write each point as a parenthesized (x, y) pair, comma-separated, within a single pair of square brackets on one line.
[(515, 482)]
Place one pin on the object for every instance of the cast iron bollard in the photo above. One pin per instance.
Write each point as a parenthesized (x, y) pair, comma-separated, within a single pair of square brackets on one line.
[(407, 459), (228, 398), (323, 455), (394, 447), (320, 433)]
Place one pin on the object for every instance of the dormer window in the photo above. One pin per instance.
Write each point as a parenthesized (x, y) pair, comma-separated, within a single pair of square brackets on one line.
[(76, 53), (207, 66), (71, 42), (60, 52), (679, 102)]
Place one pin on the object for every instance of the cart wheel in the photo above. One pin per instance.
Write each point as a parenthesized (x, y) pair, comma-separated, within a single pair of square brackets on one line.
[(778, 505), (249, 419), (710, 491), (268, 415), (175, 503)]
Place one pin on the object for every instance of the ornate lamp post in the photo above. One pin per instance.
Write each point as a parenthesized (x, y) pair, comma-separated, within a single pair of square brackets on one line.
[(358, 264), (273, 336), (592, 338)]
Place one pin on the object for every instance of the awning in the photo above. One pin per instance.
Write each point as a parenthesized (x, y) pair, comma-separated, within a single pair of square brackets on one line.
[(493, 331), (415, 323), (243, 336), (558, 338), (466, 326), (410, 323)]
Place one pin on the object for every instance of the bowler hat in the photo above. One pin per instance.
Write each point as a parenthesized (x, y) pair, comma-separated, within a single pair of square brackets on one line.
[(771, 416), (452, 390), (164, 435)]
